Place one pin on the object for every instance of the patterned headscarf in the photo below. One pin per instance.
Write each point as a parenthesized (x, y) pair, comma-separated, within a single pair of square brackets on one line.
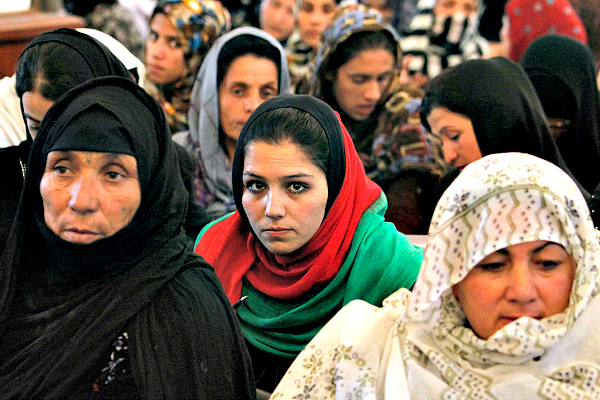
[(499, 201), (199, 24), (346, 22), (532, 19)]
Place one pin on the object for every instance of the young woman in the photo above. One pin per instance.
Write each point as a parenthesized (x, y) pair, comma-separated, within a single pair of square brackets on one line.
[(101, 295), (504, 307), (244, 68), (309, 234), (181, 33), (276, 17), (312, 17), (355, 65), (563, 74), (442, 34)]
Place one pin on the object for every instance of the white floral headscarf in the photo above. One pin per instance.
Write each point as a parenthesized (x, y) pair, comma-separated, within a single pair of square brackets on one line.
[(498, 201)]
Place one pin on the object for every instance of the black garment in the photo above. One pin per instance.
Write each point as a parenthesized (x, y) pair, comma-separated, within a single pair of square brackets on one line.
[(268, 368), (12, 162), (561, 68), (490, 23), (61, 302)]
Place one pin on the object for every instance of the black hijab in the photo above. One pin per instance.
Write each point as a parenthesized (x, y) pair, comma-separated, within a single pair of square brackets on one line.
[(562, 71), (62, 304)]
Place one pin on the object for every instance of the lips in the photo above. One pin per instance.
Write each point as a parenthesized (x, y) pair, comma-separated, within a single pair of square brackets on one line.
[(78, 235), (276, 232)]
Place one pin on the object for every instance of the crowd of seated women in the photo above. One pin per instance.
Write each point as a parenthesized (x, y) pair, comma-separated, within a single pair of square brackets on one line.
[(229, 217)]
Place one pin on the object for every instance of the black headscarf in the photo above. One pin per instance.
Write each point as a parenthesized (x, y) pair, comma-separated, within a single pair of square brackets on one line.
[(62, 304), (562, 71)]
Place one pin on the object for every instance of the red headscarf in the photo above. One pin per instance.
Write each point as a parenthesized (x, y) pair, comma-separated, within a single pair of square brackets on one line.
[(234, 252), (530, 19)]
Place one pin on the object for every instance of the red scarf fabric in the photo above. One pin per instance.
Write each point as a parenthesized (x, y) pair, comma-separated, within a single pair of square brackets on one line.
[(234, 252), (531, 19)]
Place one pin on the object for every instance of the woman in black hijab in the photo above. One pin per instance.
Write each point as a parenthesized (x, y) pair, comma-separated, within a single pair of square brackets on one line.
[(563, 73), (111, 310), (483, 107)]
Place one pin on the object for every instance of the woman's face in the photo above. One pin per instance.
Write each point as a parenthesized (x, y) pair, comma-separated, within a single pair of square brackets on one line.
[(285, 195), (164, 54), (89, 196), (360, 83), (277, 18), (249, 81), (35, 106), (457, 135), (446, 8), (313, 17), (532, 279)]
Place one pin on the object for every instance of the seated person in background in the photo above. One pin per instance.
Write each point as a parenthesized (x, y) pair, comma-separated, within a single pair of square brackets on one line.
[(101, 294), (482, 107), (276, 17), (244, 68), (309, 235), (563, 74), (505, 306), (442, 34), (312, 17), (356, 73), (527, 20), (181, 33)]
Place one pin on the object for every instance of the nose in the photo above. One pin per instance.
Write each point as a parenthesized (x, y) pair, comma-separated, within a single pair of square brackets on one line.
[(84, 196), (373, 90), (275, 207), (252, 102), (156, 50), (449, 149), (521, 287)]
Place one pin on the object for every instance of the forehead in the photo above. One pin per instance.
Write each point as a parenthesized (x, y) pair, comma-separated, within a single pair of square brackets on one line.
[(370, 62), (318, 3), (275, 159), (249, 67), (161, 24)]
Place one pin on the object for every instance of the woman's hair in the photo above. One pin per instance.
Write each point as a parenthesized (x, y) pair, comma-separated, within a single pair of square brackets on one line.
[(347, 50), (294, 126), (243, 45), (52, 69), (445, 90)]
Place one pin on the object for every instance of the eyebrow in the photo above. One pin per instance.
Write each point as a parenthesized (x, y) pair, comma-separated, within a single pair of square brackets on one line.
[(293, 176), (534, 251)]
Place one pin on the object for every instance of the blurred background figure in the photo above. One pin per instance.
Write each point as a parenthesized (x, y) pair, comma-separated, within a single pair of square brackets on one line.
[(563, 73), (526, 20), (141, 11), (442, 34), (110, 17), (312, 17), (276, 17), (181, 33), (243, 68)]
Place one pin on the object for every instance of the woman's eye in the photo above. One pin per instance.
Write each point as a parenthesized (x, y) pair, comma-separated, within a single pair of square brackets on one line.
[(153, 36), (60, 169), (255, 186), (359, 79), (297, 187), (268, 93), (175, 44), (549, 264), (454, 137), (491, 267), (114, 175)]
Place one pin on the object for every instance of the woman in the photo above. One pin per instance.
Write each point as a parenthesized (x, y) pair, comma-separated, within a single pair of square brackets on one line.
[(57, 61), (101, 294), (276, 17), (356, 74), (504, 307), (442, 34), (355, 65), (312, 17), (181, 33), (526, 21), (309, 234), (244, 68), (563, 74), (482, 107)]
